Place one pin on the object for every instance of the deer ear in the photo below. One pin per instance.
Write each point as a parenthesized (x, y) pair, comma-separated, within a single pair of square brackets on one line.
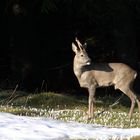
[(74, 48)]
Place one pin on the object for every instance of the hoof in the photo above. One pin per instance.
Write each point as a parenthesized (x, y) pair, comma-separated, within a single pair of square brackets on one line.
[(88, 118)]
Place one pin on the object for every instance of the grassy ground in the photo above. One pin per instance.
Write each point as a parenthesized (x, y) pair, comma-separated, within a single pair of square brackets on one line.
[(68, 108)]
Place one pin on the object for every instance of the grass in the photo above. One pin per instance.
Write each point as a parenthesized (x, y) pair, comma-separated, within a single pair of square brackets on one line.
[(68, 108)]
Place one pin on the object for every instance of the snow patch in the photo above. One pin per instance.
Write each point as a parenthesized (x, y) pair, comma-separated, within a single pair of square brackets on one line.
[(14, 127)]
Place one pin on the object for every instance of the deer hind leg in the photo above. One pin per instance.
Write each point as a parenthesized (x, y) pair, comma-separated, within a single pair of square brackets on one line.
[(138, 102), (129, 92), (134, 100)]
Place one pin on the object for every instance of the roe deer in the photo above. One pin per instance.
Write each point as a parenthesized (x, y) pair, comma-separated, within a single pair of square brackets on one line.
[(92, 75)]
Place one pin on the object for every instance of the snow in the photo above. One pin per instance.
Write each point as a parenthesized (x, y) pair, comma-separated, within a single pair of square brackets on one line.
[(14, 127)]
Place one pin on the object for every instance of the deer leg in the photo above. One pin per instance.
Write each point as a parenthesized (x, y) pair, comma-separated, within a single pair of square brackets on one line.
[(137, 99), (133, 101), (132, 97), (91, 101), (138, 102)]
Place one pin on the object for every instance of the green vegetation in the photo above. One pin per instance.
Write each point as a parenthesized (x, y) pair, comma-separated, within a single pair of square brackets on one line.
[(68, 108)]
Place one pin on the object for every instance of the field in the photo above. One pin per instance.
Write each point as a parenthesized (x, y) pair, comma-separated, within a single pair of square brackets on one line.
[(69, 108)]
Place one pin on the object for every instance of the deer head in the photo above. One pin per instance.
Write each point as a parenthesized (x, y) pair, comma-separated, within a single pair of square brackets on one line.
[(81, 56)]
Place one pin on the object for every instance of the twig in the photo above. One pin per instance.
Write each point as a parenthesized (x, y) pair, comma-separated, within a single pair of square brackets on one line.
[(27, 100), (14, 91), (10, 98), (110, 106), (42, 85)]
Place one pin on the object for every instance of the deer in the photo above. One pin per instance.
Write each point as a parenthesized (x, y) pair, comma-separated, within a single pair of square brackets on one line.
[(94, 75)]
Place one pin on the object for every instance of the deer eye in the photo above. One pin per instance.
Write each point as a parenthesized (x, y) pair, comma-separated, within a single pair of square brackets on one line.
[(82, 55)]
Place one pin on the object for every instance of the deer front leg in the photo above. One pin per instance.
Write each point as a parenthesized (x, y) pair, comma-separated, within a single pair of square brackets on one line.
[(91, 101)]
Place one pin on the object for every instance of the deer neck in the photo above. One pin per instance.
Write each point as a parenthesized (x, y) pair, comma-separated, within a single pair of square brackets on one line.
[(78, 70)]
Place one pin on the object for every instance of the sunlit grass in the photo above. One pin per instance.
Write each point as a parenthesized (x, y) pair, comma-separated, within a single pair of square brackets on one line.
[(68, 108)]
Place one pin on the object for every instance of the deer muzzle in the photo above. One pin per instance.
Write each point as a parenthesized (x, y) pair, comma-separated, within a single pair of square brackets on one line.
[(88, 62)]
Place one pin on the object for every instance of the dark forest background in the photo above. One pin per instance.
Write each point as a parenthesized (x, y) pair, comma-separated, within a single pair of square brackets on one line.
[(36, 37)]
